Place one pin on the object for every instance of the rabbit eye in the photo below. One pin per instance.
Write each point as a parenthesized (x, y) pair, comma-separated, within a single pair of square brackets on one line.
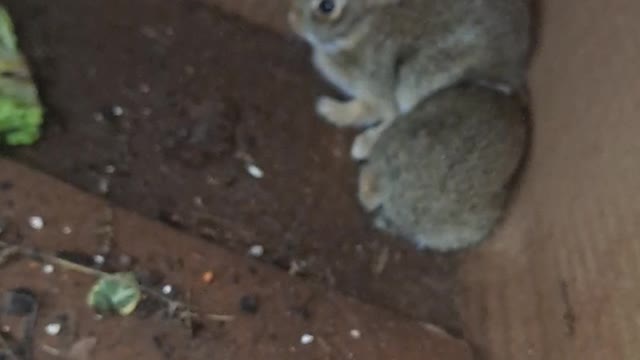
[(326, 6)]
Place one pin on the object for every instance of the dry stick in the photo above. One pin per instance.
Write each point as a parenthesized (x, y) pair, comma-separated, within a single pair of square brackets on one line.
[(7, 253), (70, 265)]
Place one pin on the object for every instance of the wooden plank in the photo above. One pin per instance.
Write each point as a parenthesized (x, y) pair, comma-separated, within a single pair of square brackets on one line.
[(559, 280)]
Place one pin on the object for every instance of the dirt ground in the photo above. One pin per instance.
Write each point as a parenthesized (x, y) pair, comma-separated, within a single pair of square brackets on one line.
[(162, 106), (239, 313)]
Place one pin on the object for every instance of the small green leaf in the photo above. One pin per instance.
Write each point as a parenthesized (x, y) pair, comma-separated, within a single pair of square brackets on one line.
[(21, 112), (119, 293), (7, 36)]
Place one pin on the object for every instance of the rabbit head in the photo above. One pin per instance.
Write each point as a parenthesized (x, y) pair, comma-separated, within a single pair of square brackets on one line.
[(328, 23)]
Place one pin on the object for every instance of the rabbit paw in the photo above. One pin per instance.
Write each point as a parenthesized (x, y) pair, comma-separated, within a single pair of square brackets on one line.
[(361, 147), (344, 114), (363, 143)]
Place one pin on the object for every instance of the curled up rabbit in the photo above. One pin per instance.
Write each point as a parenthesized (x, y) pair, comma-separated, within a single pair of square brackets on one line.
[(441, 175), (389, 55)]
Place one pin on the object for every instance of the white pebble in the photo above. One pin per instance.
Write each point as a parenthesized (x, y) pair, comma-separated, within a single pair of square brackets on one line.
[(99, 259), (48, 269), (256, 251), (103, 185), (36, 222), (53, 329), (167, 289), (355, 333), (110, 169), (306, 339), (255, 171), (117, 111), (67, 230)]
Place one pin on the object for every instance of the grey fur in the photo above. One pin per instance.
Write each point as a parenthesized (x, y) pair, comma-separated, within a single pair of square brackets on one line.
[(441, 175)]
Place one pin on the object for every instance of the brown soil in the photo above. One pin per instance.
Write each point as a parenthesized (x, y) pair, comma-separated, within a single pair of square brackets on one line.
[(251, 300), (160, 105)]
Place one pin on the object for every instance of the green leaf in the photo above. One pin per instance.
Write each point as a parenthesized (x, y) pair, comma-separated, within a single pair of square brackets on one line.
[(21, 112), (119, 293), (19, 124), (7, 35)]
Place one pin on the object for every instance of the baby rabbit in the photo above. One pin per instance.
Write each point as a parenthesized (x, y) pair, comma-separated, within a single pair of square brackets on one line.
[(389, 55), (440, 175)]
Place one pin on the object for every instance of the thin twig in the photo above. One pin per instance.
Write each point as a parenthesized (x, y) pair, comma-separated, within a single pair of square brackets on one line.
[(7, 253)]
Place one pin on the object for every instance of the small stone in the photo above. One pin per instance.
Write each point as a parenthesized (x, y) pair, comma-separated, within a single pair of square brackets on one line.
[(48, 269), (36, 222), (307, 339), (208, 277), (249, 304), (99, 260), (117, 111), (53, 329), (67, 230), (103, 185), (110, 169), (256, 251), (355, 333), (255, 171), (167, 289)]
